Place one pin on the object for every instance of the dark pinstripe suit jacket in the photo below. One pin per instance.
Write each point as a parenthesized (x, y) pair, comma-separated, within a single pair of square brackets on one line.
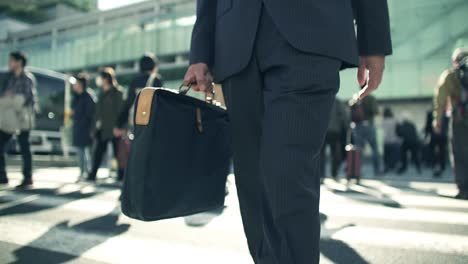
[(224, 34)]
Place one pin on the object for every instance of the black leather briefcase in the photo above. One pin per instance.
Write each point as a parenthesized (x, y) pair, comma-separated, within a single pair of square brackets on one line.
[(179, 159)]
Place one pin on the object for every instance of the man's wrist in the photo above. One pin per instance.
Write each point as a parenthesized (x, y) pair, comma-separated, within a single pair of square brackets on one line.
[(201, 64)]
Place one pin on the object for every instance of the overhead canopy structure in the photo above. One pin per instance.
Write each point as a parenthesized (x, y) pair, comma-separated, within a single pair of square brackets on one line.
[(424, 34)]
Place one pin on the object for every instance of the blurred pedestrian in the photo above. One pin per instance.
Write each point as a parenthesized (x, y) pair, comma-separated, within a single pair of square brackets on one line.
[(110, 102), (391, 140), (339, 120), (363, 114), (19, 82), (408, 133), (83, 122), (437, 143), (453, 88)]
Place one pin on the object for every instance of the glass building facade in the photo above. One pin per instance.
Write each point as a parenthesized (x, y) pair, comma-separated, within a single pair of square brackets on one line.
[(104, 38), (424, 34)]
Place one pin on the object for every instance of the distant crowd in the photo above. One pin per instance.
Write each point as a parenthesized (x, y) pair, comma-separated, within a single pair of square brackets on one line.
[(105, 119), (98, 121), (353, 123), (402, 141)]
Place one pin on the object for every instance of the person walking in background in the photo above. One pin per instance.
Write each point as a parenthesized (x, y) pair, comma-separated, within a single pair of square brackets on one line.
[(83, 122), (453, 87), (364, 132), (148, 76), (408, 133), (391, 140), (339, 120), (110, 102), (20, 82), (280, 76), (437, 146)]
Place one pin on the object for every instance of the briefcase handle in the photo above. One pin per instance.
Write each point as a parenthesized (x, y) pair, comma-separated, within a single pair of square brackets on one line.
[(209, 97), (183, 89)]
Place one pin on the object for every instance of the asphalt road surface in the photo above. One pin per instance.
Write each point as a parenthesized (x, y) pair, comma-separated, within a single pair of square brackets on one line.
[(394, 220)]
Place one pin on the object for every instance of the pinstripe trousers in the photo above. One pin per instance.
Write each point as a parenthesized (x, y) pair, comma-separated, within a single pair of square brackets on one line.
[(279, 108)]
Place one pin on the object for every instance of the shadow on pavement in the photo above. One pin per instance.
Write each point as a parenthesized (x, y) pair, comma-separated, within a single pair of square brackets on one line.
[(42, 256), (47, 198), (203, 219), (372, 195), (406, 185), (338, 251), (103, 228)]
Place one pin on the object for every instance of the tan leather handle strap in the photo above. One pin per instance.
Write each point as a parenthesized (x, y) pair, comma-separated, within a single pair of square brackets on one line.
[(143, 109)]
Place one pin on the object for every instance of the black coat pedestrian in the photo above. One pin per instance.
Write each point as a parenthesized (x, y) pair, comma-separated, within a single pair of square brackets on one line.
[(408, 133), (108, 110), (84, 108)]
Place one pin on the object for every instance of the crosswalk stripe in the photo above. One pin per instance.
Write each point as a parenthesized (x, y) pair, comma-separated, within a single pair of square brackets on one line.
[(404, 200), (452, 244), (154, 251), (146, 250), (394, 214), (138, 247), (334, 205), (119, 249), (56, 216)]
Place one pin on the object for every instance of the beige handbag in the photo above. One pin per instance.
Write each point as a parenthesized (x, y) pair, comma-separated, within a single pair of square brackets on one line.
[(11, 113)]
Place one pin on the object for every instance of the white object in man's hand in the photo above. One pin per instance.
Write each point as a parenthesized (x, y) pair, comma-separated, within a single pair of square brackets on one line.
[(370, 70), (199, 76)]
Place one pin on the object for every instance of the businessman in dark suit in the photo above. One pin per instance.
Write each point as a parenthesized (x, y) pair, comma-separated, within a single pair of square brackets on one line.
[(279, 64)]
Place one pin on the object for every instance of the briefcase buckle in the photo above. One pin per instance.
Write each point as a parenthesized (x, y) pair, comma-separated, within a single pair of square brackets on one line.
[(209, 96), (143, 108)]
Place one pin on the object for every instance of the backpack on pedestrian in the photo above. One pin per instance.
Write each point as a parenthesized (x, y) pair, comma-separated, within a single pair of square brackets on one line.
[(10, 113)]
